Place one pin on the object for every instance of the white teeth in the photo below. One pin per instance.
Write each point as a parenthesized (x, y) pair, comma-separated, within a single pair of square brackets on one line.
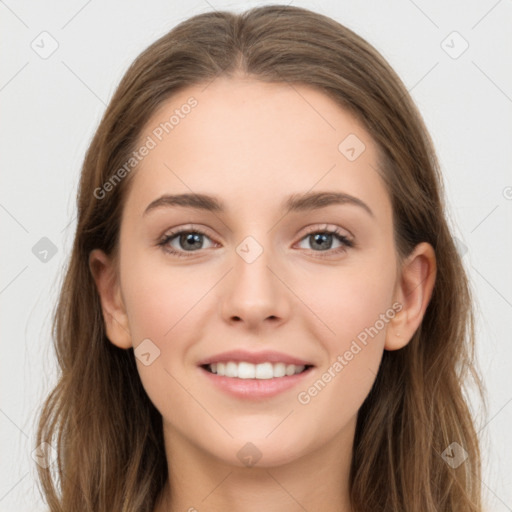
[(231, 369), (279, 369), (264, 371), (245, 370)]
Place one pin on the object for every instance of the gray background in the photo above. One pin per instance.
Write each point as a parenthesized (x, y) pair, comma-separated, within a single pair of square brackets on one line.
[(51, 107)]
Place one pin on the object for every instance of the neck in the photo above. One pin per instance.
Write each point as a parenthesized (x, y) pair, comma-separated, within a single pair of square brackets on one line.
[(318, 480)]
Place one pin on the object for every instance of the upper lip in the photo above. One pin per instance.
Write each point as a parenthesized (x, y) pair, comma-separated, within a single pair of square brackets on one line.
[(254, 358)]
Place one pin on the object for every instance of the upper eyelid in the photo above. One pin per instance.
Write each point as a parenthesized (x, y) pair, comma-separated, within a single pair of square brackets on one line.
[(187, 229), (327, 227)]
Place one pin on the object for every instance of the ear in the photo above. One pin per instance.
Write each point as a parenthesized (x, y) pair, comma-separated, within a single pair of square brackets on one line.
[(105, 276), (413, 291)]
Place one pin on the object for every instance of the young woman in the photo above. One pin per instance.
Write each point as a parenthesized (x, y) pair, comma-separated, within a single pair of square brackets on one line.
[(264, 307)]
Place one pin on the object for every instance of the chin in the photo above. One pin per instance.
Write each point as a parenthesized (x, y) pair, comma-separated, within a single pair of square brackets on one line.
[(259, 451)]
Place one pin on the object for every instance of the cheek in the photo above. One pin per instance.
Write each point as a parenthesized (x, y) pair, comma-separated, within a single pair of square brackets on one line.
[(159, 298), (162, 306), (348, 301), (352, 312)]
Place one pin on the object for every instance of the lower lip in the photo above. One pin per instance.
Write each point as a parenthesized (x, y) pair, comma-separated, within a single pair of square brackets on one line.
[(255, 388)]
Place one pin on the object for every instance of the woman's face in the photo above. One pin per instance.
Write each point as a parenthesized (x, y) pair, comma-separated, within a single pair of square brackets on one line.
[(262, 272)]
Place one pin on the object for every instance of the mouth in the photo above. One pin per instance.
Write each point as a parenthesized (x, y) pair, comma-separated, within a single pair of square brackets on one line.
[(261, 371), (254, 382)]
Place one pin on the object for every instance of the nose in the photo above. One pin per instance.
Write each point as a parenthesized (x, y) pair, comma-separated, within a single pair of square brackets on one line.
[(254, 293)]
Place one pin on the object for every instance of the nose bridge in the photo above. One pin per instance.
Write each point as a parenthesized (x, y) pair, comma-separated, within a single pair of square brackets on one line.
[(255, 293)]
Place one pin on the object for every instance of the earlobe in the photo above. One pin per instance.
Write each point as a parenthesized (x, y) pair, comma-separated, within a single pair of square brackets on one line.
[(396, 337), (413, 292), (107, 284)]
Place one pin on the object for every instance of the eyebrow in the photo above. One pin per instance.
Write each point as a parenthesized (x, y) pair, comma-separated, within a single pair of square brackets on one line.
[(294, 203)]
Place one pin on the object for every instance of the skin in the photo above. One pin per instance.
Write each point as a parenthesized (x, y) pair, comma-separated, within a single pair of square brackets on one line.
[(252, 144)]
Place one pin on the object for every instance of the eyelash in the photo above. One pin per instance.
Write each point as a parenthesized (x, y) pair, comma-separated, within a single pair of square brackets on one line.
[(346, 242)]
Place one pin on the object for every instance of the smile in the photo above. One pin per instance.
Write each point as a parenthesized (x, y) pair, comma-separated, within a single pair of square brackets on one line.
[(254, 381), (245, 370)]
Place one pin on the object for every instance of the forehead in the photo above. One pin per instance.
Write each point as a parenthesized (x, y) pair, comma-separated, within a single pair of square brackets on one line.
[(247, 140)]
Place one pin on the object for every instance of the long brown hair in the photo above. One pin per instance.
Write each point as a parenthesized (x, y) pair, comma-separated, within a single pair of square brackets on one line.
[(105, 430)]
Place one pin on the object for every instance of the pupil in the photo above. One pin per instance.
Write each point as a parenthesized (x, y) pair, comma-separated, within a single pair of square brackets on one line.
[(322, 237), (191, 237)]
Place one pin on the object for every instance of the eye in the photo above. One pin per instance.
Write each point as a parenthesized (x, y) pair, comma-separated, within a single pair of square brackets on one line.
[(322, 241), (183, 241)]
